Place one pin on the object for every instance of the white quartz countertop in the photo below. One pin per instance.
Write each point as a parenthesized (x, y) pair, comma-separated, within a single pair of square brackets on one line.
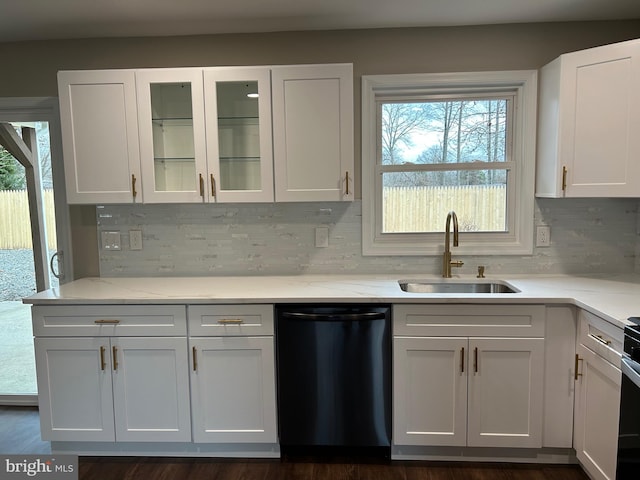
[(612, 297)]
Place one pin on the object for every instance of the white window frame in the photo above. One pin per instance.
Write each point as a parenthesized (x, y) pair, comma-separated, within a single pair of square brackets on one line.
[(518, 239)]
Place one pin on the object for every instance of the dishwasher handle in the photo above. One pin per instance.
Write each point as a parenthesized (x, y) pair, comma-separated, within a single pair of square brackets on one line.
[(334, 316)]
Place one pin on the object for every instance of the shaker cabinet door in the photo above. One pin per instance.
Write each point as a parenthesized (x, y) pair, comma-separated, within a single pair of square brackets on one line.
[(233, 390), (74, 389), (151, 389), (313, 132), (100, 136)]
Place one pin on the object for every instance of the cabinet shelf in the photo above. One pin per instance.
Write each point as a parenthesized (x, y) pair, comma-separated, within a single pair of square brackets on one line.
[(239, 159), (173, 159), (237, 121)]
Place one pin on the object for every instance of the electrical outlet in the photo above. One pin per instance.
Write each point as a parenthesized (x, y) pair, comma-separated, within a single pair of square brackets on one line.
[(322, 237), (543, 236), (135, 239)]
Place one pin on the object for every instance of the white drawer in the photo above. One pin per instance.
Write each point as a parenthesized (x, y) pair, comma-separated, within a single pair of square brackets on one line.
[(109, 320), (601, 337), (230, 320), (469, 320)]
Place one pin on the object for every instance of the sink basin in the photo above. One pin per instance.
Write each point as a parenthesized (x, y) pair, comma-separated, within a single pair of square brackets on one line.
[(455, 287)]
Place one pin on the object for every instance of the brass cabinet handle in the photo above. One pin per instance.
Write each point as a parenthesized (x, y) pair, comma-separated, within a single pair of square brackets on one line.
[(195, 361), (347, 184), (600, 339), (564, 178), (103, 365), (201, 186), (107, 321), (462, 360), (475, 360), (114, 352), (133, 185), (213, 186), (230, 321), (575, 368)]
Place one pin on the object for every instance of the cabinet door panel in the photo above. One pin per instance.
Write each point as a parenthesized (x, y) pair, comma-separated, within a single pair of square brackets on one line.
[(233, 390), (239, 134), (505, 392), (603, 131), (430, 391), (151, 389), (596, 414), (313, 132), (74, 390), (99, 135), (172, 134)]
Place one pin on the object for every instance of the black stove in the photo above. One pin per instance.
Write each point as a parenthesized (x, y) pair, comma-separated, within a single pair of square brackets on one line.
[(629, 426)]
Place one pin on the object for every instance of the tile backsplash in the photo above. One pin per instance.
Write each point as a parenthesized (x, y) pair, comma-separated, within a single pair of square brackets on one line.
[(587, 236)]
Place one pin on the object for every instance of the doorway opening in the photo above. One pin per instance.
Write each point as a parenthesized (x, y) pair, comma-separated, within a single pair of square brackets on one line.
[(30, 253)]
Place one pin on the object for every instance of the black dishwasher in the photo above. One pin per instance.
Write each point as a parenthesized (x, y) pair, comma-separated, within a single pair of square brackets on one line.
[(334, 378)]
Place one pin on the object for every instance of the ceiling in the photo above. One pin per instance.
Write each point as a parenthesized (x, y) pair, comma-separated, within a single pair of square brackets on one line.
[(56, 19)]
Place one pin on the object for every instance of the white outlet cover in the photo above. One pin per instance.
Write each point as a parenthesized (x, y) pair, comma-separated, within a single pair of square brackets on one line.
[(322, 237), (135, 239), (543, 236)]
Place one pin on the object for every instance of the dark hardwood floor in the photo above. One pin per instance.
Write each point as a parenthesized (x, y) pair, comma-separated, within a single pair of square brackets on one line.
[(223, 469), (20, 433)]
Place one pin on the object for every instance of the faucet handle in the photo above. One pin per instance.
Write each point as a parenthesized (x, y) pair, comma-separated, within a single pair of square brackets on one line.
[(480, 271), (457, 263)]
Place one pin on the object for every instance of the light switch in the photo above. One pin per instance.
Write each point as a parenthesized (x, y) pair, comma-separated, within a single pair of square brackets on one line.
[(110, 240)]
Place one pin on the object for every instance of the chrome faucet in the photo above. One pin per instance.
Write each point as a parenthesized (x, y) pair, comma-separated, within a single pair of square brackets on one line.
[(446, 256)]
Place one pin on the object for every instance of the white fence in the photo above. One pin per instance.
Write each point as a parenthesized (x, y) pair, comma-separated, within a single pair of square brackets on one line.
[(15, 227), (424, 209)]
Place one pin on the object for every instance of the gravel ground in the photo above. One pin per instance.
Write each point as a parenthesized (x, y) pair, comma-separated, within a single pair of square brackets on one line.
[(17, 277)]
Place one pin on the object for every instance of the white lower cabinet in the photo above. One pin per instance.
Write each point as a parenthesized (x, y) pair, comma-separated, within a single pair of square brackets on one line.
[(233, 384), (233, 390), (477, 392), (597, 408), (132, 389)]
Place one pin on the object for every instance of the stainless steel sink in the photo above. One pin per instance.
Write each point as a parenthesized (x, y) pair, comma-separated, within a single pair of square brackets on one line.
[(420, 286)]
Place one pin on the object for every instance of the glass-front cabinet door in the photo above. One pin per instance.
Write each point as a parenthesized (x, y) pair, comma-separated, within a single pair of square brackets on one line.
[(172, 135), (239, 138)]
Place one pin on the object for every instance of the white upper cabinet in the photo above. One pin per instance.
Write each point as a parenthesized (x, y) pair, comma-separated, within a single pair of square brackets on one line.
[(199, 135), (172, 135), (313, 132), (588, 124), (237, 104), (100, 136)]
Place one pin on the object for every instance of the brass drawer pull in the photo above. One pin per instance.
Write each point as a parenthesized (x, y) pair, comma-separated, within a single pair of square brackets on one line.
[(600, 339), (201, 186), (103, 365), (107, 321), (575, 368), (115, 358), (230, 321), (213, 186), (195, 361), (133, 186), (475, 360)]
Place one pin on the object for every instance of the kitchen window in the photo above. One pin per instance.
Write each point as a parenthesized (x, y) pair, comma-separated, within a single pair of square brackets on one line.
[(432, 143)]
